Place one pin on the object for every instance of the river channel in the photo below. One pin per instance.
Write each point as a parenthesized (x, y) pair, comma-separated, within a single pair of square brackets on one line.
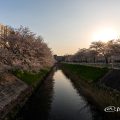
[(58, 99)]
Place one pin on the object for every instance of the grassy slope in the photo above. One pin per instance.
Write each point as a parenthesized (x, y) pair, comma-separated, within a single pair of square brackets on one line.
[(103, 96), (86, 72), (31, 78)]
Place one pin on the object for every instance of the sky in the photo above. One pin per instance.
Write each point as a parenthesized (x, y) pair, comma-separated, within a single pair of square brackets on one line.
[(65, 25)]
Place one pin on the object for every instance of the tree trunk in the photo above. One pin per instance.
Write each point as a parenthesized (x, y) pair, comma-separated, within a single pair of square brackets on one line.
[(106, 60), (94, 59)]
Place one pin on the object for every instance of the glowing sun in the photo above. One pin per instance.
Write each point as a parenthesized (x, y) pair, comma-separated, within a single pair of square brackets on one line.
[(105, 35)]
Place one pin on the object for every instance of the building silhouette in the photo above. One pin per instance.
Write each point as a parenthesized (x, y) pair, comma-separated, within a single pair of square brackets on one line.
[(4, 30)]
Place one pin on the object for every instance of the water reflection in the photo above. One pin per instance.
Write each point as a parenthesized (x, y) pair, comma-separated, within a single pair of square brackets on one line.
[(58, 99), (67, 104), (39, 105), (93, 109)]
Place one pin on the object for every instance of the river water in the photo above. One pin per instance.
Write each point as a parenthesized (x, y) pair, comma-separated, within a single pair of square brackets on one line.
[(58, 99)]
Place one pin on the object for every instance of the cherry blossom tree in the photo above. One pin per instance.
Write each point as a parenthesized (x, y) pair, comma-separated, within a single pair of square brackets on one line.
[(24, 50)]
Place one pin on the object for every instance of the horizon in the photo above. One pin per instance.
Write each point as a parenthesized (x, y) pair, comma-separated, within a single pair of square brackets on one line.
[(60, 60)]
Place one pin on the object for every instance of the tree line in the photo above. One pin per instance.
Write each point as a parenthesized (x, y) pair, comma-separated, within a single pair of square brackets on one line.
[(23, 49), (98, 51)]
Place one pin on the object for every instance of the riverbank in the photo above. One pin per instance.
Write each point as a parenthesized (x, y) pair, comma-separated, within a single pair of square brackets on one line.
[(39, 103), (96, 94), (87, 73), (12, 92), (17, 94), (31, 78)]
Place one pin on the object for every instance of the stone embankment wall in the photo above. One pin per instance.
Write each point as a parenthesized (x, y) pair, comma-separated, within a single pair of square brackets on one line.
[(12, 92)]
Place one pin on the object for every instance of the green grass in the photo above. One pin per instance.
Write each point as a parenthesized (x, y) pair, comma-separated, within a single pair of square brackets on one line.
[(86, 72), (95, 93), (31, 78)]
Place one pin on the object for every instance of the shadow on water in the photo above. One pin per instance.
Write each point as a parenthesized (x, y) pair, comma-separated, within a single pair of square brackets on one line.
[(39, 104), (97, 113), (58, 99)]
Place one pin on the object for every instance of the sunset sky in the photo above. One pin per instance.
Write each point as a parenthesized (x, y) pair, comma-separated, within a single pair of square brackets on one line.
[(66, 25)]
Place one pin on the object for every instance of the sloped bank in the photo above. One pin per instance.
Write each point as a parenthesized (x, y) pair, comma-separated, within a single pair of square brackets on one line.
[(12, 92), (15, 89), (98, 95)]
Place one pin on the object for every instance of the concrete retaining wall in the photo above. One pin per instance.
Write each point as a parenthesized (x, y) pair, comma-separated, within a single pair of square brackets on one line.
[(12, 91)]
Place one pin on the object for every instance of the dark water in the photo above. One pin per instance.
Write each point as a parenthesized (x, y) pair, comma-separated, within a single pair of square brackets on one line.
[(57, 99)]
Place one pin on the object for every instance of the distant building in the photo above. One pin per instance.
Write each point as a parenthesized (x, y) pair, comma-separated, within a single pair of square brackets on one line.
[(4, 30), (59, 58), (68, 58)]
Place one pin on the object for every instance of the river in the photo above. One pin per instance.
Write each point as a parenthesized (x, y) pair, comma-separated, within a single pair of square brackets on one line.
[(58, 99)]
